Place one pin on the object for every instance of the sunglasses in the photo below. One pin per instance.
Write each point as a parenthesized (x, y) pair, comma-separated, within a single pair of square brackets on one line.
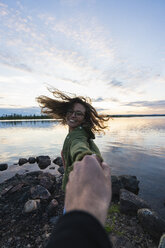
[(77, 113)]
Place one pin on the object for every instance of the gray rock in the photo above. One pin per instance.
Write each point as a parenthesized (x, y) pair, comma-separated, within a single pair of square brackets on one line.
[(17, 188), (46, 182), (116, 185), (31, 160), (162, 242), (40, 158), (6, 190), (39, 192), (61, 170), (44, 163), (31, 206), (54, 220), (3, 167), (130, 183), (52, 207), (130, 203), (22, 161), (124, 182), (151, 222), (58, 161), (120, 242)]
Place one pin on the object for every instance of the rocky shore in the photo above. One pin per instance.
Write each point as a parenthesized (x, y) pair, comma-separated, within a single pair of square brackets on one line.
[(31, 203)]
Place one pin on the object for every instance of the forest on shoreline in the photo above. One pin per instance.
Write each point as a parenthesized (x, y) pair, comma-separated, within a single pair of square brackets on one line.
[(29, 117)]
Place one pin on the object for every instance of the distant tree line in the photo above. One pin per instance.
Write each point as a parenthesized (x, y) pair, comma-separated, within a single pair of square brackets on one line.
[(21, 117)]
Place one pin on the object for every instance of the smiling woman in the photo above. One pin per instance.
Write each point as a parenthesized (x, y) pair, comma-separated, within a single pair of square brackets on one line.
[(82, 120)]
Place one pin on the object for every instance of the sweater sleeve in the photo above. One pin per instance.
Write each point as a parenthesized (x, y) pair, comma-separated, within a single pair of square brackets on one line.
[(78, 229), (79, 148)]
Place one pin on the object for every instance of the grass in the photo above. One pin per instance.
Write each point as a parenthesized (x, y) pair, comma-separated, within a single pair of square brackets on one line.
[(110, 227), (114, 209)]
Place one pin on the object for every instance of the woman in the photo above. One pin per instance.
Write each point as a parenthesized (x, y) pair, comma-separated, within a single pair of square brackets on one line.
[(83, 121)]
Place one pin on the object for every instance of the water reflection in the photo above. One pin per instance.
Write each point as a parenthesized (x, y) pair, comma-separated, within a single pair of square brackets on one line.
[(27, 123)]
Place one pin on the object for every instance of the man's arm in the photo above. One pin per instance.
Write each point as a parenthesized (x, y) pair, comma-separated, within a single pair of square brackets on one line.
[(88, 194)]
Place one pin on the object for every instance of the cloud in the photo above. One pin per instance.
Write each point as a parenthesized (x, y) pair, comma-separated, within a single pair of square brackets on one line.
[(152, 104), (13, 61), (115, 83), (101, 99)]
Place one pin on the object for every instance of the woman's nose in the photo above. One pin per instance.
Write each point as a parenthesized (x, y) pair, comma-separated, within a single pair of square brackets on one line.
[(73, 114)]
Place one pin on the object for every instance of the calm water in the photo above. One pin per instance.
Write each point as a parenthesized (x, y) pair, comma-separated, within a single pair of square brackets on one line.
[(134, 146)]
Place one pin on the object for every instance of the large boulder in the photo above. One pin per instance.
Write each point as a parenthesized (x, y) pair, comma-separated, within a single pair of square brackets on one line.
[(47, 180), (130, 183), (58, 161), (39, 192), (3, 167), (124, 182), (40, 158), (43, 161), (61, 170), (130, 203), (151, 222), (116, 186), (31, 160), (22, 161)]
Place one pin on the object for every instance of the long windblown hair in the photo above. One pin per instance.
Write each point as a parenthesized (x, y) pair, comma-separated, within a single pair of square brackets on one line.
[(59, 106)]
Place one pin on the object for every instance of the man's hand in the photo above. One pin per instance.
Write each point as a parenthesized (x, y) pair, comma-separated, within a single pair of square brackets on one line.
[(89, 188)]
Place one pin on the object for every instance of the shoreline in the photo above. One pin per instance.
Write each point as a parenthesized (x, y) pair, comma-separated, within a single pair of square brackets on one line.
[(33, 228)]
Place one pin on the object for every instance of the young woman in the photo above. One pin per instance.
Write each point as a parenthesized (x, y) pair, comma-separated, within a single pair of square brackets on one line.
[(83, 121)]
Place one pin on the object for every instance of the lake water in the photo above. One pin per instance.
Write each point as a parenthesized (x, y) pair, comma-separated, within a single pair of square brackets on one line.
[(134, 146)]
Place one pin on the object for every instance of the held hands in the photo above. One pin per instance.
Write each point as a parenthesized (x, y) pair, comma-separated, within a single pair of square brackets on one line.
[(89, 188)]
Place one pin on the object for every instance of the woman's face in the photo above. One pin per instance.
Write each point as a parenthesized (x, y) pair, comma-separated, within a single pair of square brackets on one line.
[(75, 116)]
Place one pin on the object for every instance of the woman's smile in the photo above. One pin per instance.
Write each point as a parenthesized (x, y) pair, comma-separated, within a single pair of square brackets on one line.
[(76, 116)]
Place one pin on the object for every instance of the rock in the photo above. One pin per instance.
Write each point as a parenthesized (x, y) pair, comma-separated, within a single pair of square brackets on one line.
[(16, 188), (31, 206), (31, 160), (120, 242), (61, 170), (130, 183), (124, 182), (40, 192), (151, 222), (116, 185), (52, 207), (44, 164), (6, 190), (40, 158), (48, 175), (3, 167), (162, 241), (22, 161), (130, 203), (54, 220), (58, 161), (46, 182)]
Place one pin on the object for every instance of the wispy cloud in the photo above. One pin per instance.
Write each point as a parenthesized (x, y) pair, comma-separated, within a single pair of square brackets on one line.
[(115, 83), (153, 104)]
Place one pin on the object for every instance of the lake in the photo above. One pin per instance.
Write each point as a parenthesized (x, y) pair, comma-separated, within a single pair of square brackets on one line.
[(134, 146)]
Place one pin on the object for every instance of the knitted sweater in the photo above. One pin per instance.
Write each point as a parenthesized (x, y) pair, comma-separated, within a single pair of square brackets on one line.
[(77, 144)]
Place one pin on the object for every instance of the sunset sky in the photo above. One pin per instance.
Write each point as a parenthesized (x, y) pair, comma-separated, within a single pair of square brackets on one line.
[(110, 50)]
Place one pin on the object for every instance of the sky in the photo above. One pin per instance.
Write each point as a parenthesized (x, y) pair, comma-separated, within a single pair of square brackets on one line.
[(112, 51)]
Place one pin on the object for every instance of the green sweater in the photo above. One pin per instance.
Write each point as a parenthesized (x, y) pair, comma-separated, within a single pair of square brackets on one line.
[(77, 144)]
